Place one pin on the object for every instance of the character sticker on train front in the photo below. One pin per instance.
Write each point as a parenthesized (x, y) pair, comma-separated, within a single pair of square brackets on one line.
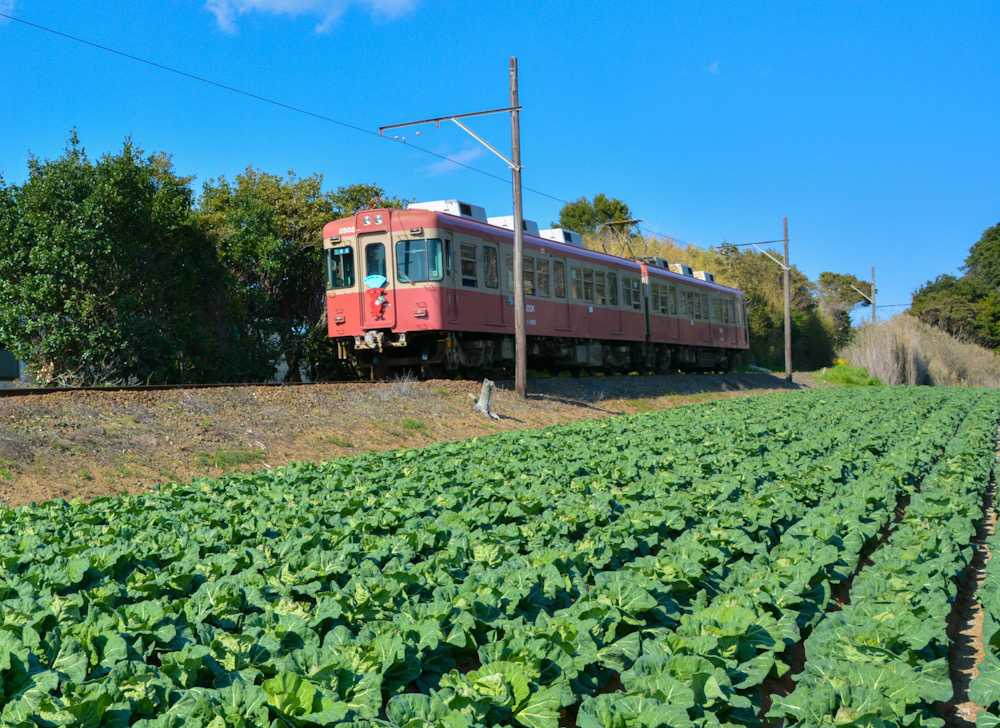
[(376, 295)]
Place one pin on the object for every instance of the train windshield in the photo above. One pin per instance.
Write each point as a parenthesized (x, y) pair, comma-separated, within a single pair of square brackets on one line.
[(340, 267), (419, 260)]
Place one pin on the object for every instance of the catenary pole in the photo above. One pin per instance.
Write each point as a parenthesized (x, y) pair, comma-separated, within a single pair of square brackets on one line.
[(520, 345), (788, 309), (520, 338)]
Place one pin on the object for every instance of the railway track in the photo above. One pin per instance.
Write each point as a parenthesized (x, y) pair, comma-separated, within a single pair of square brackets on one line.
[(26, 391)]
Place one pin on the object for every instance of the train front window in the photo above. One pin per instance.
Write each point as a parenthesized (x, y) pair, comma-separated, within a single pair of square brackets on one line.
[(419, 260), (375, 260), (339, 267)]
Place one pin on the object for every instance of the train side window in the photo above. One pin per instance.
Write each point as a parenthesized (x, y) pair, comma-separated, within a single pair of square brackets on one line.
[(339, 267), (419, 260), (542, 278), (613, 289), (704, 305), (576, 282), (375, 260), (509, 262), (469, 277), (672, 297), (732, 312), (491, 266), (529, 276), (636, 294), (654, 292), (588, 284), (449, 267), (697, 306), (725, 312), (600, 288), (559, 278)]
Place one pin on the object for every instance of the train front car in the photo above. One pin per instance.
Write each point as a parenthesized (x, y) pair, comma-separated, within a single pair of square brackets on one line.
[(385, 298)]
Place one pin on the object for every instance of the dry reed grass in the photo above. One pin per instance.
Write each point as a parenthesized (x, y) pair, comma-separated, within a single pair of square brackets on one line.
[(904, 350)]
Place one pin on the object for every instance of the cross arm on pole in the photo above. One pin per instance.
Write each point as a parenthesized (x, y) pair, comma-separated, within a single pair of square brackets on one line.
[(439, 119), (862, 294), (455, 118), (486, 144), (782, 265)]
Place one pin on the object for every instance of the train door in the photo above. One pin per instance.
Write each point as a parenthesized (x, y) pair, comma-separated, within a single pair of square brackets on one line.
[(560, 299), (378, 292), (708, 328), (614, 303), (450, 292), (672, 322), (497, 302)]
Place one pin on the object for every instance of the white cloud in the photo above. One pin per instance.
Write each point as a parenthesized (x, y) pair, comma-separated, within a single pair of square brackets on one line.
[(714, 68), (448, 165), (328, 11), (7, 6)]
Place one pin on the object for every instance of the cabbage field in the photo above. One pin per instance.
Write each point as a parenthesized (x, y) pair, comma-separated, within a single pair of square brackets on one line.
[(792, 557)]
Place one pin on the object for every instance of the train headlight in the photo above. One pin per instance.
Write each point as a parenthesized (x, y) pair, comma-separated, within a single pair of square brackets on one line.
[(366, 220), (378, 219)]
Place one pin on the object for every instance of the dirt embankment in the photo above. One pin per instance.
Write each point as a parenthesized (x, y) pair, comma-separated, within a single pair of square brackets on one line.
[(89, 444)]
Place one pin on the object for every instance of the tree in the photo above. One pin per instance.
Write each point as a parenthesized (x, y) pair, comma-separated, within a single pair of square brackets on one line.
[(268, 233), (965, 307), (353, 198), (838, 297), (584, 216), (984, 257), (103, 276)]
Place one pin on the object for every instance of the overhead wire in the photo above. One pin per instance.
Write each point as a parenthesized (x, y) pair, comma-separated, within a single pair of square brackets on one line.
[(267, 100)]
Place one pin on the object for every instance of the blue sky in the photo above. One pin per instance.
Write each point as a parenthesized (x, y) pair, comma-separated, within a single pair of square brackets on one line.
[(871, 126)]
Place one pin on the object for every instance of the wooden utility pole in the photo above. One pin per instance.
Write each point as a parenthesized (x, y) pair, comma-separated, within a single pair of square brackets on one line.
[(520, 338), (788, 309)]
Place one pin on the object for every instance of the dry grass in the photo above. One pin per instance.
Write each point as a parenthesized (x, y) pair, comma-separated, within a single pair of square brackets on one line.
[(904, 350)]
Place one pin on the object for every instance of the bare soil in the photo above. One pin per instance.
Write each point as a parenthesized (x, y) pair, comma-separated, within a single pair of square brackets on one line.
[(83, 445)]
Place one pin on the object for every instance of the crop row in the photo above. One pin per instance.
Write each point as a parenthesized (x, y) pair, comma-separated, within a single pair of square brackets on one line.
[(502, 580), (984, 690), (884, 658), (768, 603)]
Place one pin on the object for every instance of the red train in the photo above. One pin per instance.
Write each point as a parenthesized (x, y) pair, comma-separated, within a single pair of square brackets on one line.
[(432, 287)]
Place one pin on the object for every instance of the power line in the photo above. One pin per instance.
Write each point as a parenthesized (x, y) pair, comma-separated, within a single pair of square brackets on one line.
[(265, 100)]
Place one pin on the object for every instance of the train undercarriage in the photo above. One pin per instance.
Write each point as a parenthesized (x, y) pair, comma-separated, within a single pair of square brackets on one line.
[(445, 354)]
